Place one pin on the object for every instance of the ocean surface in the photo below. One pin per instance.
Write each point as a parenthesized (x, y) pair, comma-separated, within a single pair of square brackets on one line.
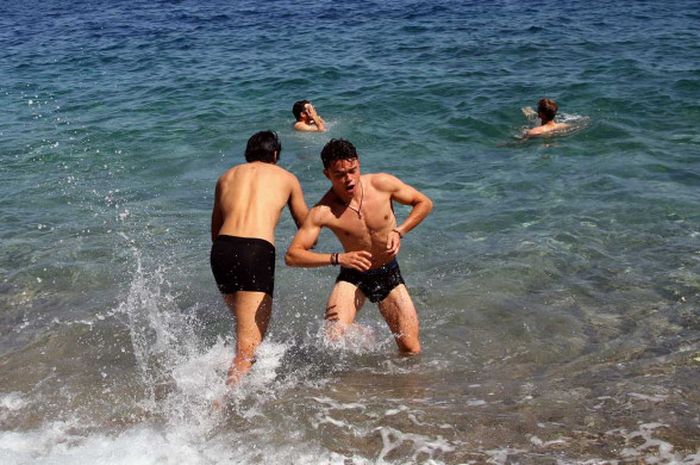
[(557, 279)]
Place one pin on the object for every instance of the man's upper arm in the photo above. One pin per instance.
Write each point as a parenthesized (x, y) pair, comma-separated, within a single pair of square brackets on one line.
[(296, 202), (400, 191), (309, 231), (216, 216)]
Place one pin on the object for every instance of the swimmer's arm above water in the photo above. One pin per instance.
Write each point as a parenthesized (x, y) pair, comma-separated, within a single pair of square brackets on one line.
[(217, 219), (296, 203), (320, 124)]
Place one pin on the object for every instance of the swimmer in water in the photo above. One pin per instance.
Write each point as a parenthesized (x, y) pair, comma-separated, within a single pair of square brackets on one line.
[(306, 117), (546, 111)]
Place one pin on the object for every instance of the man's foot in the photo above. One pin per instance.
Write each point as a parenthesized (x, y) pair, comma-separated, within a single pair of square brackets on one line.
[(239, 368)]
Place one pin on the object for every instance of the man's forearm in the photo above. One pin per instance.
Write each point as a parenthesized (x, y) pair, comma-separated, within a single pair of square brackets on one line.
[(299, 257), (419, 212), (320, 124)]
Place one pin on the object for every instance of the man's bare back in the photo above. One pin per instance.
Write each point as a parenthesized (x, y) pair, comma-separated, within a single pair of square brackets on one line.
[(247, 205), (546, 111), (250, 198), (547, 128)]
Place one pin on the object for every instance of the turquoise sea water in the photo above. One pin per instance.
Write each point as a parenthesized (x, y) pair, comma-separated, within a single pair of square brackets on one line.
[(557, 279)]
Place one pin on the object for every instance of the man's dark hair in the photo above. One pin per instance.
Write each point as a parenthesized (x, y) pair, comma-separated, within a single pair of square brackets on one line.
[(298, 107), (337, 149), (547, 109), (262, 147)]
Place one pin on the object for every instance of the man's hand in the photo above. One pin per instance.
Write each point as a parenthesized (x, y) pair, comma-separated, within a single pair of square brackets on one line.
[(310, 110), (359, 260), (393, 243), (320, 125)]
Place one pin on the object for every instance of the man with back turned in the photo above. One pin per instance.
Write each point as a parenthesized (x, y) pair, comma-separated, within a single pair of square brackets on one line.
[(247, 206), (359, 211), (546, 111)]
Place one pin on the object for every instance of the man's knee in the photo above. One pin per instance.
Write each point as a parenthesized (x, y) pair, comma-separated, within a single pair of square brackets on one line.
[(409, 346), (334, 329)]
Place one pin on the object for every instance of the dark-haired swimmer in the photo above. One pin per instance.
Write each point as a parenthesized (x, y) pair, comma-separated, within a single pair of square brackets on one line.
[(546, 111), (247, 206), (358, 209), (306, 117)]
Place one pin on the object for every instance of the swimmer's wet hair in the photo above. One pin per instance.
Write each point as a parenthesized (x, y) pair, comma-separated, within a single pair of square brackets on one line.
[(262, 147), (547, 109), (337, 149), (298, 107)]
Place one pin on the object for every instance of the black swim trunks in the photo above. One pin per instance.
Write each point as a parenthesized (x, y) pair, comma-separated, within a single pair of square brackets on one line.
[(243, 264), (376, 284)]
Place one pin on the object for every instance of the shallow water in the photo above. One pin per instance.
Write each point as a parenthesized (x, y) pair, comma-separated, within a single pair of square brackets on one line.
[(557, 279)]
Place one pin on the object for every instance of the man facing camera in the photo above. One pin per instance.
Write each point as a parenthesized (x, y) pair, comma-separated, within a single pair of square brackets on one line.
[(306, 117), (358, 209)]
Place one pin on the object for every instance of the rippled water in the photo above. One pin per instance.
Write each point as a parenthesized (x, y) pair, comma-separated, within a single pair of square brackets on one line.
[(557, 280)]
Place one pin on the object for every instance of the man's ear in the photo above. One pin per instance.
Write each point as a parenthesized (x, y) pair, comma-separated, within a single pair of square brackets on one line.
[(325, 173)]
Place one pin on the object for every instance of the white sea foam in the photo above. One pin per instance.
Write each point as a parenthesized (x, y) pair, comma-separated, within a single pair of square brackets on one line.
[(12, 401), (424, 447), (653, 449), (330, 403), (649, 398), (55, 443), (357, 339)]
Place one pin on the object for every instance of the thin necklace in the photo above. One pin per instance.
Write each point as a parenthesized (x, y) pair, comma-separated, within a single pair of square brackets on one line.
[(362, 197)]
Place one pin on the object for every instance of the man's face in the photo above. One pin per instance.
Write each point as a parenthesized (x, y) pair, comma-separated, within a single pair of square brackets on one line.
[(306, 114), (345, 177)]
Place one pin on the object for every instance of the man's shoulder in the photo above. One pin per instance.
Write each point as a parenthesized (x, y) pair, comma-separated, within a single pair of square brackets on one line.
[(381, 181), (302, 126), (280, 176), (328, 199), (245, 170), (229, 172), (546, 129), (537, 131), (321, 212), (328, 202), (274, 169)]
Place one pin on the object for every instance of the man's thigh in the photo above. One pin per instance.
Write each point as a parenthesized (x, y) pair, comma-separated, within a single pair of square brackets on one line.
[(252, 313), (400, 313), (344, 302)]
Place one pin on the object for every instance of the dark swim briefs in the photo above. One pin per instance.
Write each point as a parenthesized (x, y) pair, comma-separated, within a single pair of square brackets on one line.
[(243, 264), (376, 284)]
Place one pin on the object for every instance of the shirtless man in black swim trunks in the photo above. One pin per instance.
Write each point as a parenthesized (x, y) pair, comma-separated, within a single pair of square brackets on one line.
[(358, 209), (249, 200)]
